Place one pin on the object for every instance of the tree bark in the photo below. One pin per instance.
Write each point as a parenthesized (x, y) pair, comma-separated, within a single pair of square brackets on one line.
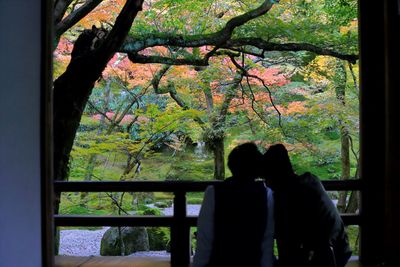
[(219, 158), (340, 88), (345, 172), (134, 45), (209, 100), (75, 16), (72, 89), (60, 7), (216, 134)]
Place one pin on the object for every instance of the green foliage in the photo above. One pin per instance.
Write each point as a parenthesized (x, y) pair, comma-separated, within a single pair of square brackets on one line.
[(159, 238), (353, 233), (195, 201), (149, 211), (307, 118)]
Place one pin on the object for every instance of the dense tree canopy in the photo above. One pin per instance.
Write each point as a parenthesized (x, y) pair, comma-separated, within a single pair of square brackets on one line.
[(210, 66)]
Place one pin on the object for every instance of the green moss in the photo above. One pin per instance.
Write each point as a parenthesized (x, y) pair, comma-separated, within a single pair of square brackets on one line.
[(195, 200), (353, 234)]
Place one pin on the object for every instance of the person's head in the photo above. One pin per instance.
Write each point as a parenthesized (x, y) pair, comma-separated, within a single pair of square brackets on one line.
[(278, 168), (244, 161)]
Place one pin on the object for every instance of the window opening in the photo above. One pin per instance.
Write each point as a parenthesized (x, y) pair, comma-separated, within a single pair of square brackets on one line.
[(163, 90)]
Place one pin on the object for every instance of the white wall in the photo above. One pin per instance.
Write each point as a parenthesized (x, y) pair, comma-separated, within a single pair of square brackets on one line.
[(20, 196)]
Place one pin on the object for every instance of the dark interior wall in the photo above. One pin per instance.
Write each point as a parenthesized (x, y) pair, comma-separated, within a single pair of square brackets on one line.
[(20, 153), (392, 177), (380, 131), (373, 130)]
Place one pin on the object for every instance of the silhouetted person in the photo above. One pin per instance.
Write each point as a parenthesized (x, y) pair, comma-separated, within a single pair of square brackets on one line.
[(308, 228), (235, 225)]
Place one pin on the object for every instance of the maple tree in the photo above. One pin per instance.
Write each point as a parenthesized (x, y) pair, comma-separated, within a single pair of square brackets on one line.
[(131, 76), (177, 33)]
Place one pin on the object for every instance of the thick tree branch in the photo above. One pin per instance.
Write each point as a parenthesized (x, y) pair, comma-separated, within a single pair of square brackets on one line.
[(73, 88), (171, 90), (294, 47), (75, 16), (60, 7), (226, 32), (142, 59), (217, 39), (137, 58), (155, 82), (121, 28), (168, 89), (138, 44)]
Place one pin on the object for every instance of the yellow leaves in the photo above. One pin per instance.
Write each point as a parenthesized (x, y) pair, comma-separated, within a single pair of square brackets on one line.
[(184, 72), (352, 27), (88, 143), (321, 70)]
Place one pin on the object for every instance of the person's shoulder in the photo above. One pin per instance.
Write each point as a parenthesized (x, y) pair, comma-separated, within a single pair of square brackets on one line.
[(230, 180), (308, 177), (210, 189), (310, 182)]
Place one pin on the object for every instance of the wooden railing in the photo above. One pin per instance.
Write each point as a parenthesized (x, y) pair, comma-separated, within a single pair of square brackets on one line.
[(179, 222)]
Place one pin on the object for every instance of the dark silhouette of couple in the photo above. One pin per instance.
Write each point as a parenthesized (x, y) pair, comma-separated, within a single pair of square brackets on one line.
[(240, 217)]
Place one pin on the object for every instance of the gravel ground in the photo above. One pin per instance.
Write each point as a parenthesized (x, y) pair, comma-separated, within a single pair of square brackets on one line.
[(191, 209), (87, 242), (81, 242)]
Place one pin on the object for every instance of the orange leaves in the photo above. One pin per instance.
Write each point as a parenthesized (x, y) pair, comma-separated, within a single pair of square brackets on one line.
[(62, 56), (270, 76), (292, 108), (132, 74), (295, 107), (245, 103), (107, 11), (159, 50), (184, 72)]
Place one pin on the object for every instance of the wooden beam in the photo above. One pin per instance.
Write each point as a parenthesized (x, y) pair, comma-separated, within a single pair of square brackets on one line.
[(174, 186)]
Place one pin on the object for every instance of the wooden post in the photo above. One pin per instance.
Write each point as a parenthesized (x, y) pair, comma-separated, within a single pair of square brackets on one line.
[(373, 128), (392, 183), (180, 233)]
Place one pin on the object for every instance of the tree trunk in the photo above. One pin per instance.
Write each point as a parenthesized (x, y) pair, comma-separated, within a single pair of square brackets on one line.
[(354, 200), (340, 88), (92, 51), (345, 159), (219, 158), (209, 100), (217, 132)]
